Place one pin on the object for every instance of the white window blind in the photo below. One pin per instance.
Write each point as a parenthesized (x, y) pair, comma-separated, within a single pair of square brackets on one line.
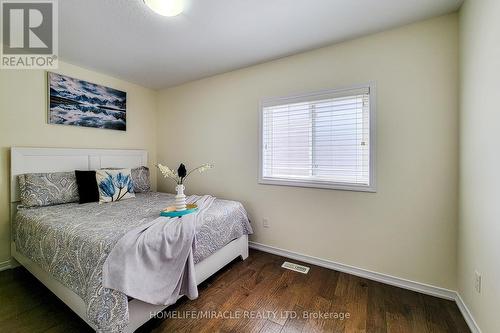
[(319, 140)]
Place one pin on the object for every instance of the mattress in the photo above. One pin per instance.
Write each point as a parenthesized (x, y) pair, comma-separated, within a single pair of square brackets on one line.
[(72, 242)]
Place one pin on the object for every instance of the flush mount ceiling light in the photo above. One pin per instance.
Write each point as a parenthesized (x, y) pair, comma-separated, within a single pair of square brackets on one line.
[(166, 7)]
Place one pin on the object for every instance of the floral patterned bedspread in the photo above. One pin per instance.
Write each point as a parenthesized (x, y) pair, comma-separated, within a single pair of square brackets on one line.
[(72, 242)]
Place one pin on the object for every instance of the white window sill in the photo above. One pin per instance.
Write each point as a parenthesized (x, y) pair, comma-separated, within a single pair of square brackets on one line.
[(318, 184)]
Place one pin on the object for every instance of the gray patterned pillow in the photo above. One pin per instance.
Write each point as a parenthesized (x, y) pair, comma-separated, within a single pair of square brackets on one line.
[(46, 189), (140, 179)]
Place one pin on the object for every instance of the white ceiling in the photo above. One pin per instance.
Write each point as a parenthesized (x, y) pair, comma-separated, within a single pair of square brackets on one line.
[(124, 38)]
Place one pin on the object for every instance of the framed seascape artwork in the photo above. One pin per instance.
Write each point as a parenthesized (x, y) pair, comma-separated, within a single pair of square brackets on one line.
[(81, 103)]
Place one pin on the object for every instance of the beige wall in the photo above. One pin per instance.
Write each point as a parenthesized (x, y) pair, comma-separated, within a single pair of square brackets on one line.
[(409, 227), (479, 228), (23, 122)]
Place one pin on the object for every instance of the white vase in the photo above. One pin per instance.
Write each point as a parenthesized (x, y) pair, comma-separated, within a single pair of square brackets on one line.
[(180, 198)]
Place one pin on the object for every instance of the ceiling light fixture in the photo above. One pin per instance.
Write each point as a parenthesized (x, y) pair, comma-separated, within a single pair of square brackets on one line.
[(166, 7)]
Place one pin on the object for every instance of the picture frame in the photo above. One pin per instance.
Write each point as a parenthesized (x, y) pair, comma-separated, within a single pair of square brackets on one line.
[(77, 102)]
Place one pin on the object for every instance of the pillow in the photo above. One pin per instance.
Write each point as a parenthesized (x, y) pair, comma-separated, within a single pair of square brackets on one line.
[(114, 184), (46, 189), (87, 186), (140, 179)]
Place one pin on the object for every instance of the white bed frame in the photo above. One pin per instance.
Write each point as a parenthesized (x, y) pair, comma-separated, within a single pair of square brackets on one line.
[(30, 160)]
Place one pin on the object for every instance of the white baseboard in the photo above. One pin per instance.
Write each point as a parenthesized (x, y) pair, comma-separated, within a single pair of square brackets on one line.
[(379, 277), (469, 319), (5, 265)]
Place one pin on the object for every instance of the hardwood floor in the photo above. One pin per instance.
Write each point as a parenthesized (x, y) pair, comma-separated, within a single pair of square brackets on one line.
[(255, 295)]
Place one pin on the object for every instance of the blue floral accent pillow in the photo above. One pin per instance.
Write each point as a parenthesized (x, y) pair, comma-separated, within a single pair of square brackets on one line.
[(114, 184)]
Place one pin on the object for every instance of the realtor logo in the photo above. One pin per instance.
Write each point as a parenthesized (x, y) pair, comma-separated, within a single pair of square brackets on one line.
[(29, 34)]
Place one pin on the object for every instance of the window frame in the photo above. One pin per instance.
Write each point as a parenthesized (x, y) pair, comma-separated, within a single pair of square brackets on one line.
[(371, 187)]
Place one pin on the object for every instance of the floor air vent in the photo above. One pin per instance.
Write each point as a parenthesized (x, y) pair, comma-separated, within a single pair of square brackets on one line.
[(295, 267)]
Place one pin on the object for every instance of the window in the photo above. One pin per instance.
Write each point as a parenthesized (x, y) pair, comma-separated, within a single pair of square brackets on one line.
[(321, 140)]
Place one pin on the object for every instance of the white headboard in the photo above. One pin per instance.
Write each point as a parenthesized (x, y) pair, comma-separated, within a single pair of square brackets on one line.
[(31, 160)]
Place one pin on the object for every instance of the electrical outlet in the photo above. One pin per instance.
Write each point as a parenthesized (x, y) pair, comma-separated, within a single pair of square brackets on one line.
[(265, 223), (477, 282)]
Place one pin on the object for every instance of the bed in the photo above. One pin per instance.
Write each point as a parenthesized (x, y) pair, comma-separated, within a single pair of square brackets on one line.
[(65, 246)]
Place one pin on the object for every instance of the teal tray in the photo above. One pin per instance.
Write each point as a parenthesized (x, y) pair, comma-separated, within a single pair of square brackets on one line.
[(171, 212)]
